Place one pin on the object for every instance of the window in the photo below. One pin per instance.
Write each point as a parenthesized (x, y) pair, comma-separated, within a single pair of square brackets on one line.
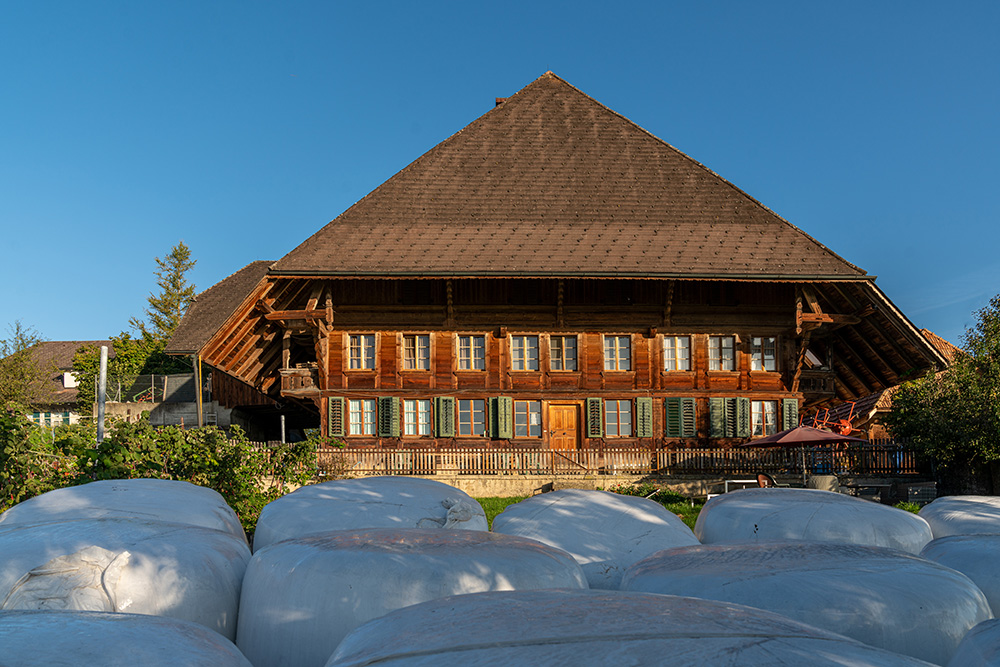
[(416, 416), (562, 353), (524, 353), (721, 353), (416, 353), (764, 417), (618, 419), (362, 352), (471, 353), (472, 416), (763, 354), (676, 353), (617, 352), (527, 419), (361, 417)]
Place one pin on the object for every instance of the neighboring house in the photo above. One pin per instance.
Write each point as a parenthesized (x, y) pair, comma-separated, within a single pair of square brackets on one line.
[(62, 404), (551, 276), (865, 416)]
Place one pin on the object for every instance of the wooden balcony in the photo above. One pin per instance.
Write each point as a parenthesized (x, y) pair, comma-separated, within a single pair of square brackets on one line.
[(817, 384), (300, 382)]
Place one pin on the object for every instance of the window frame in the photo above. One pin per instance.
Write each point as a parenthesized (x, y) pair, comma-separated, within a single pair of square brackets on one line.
[(471, 412), (417, 423), (371, 425), (758, 354), (472, 349), (759, 417), (416, 338), (349, 356), (525, 356), (674, 349), (527, 412), (618, 422), (560, 354), (721, 358), (616, 360)]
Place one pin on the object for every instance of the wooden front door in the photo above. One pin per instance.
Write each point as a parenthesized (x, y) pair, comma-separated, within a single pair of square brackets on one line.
[(564, 427)]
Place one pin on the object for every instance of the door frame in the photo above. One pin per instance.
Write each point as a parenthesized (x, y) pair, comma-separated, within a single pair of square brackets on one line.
[(547, 424)]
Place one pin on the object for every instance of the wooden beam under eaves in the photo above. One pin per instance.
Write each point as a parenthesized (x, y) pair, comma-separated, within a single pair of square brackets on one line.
[(288, 315)]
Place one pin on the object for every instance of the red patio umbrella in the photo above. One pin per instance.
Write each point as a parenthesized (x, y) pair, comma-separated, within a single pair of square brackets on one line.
[(800, 436)]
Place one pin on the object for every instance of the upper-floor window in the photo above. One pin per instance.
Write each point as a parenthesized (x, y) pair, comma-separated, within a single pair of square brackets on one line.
[(361, 416), (527, 419), (677, 353), (362, 351), (416, 352), (416, 416), (524, 353), (472, 353), (472, 416), (562, 353), (764, 417), (617, 353), (721, 353), (764, 354), (618, 419)]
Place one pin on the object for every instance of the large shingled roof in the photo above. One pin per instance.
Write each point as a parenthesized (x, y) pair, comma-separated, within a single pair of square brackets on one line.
[(553, 183)]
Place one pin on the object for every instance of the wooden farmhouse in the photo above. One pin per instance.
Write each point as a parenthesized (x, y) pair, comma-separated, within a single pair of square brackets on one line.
[(552, 276)]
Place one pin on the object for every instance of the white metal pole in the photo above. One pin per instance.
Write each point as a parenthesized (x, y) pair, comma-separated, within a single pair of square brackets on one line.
[(102, 387)]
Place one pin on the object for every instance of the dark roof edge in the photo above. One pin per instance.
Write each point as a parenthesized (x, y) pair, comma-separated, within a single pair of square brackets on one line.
[(624, 276), (919, 340)]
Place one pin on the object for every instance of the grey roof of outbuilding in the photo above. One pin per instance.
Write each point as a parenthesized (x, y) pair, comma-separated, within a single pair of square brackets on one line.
[(552, 183)]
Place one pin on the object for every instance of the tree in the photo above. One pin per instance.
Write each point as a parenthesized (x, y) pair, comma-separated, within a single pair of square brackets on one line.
[(953, 417), (23, 379), (167, 308)]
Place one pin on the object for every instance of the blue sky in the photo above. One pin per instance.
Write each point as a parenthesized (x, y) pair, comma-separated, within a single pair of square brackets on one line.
[(243, 127)]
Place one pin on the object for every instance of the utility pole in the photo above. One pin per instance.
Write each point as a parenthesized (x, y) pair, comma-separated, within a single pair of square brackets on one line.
[(102, 388)]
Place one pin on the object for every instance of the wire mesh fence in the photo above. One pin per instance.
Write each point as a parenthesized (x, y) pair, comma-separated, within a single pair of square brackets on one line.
[(179, 388)]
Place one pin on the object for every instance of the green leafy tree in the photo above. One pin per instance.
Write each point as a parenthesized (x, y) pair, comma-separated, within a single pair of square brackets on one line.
[(167, 308), (953, 417), (23, 379)]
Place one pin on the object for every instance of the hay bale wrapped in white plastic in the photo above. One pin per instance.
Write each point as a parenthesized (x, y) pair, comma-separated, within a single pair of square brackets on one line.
[(963, 515), (302, 596), (975, 556), (766, 515), (124, 565), (883, 597), (980, 647), (596, 628), (604, 532), (372, 502), (153, 499), (30, 638)]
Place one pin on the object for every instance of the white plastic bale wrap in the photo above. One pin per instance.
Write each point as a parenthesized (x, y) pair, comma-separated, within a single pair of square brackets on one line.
[(766, 515), (980, 647), (153, 499), (124, 565), (372, 502), (963, 515), (596, 628), (64, 639), (975, 556), (604, 532), (886, 598), (302, 596)]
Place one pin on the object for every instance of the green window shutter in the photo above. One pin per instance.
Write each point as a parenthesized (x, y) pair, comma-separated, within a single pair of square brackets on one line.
[(502, 417), (689, 425), (672, 417), (388, 417), (790, 413), (335, 417), (595, 418), (743, 426), (644, 417), (717, 417), (444, 416)]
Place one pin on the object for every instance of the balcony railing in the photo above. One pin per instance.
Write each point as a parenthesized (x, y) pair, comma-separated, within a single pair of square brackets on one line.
[(299, 381)]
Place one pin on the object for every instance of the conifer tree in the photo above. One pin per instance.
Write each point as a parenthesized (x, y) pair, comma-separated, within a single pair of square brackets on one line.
[(167, 308)]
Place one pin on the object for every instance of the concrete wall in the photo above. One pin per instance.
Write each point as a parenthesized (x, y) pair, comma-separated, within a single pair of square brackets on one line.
[(170, 414)]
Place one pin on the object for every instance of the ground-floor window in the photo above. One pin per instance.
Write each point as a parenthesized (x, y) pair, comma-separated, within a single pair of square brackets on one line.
[(618, 418), (361, 417), (416, 416), (472, 416), (527, 419), (764, 417)]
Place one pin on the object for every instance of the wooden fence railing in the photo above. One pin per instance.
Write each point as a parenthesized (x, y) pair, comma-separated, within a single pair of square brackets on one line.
[(865, 460)]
